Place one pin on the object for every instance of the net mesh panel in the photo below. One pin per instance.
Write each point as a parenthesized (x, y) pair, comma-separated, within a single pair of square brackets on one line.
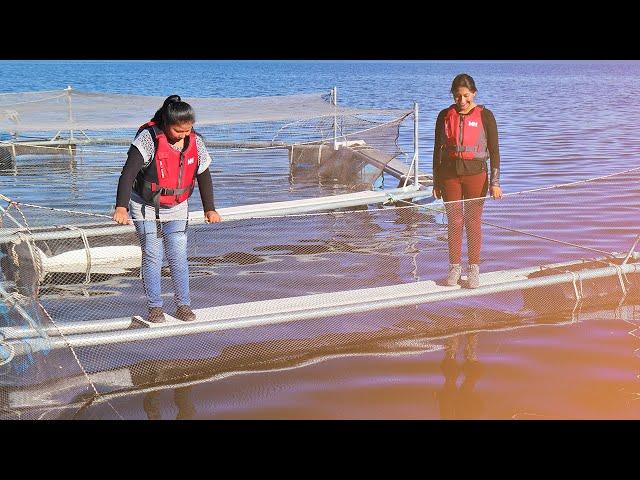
[(274, 258), (34, 113), (267, 140)]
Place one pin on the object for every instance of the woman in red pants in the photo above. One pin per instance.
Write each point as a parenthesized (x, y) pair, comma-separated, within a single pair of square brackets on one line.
[(466, 136)]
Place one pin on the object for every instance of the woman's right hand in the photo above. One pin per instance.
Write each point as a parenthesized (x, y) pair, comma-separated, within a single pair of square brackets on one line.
[(437, 193), (121, 216)]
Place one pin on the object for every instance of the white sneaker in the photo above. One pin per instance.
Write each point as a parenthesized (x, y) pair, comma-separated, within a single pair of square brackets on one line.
[(455, 272), (473, 275)]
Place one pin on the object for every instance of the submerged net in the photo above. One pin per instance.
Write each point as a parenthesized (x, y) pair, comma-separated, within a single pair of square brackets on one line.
[(287, 290), (55, 373)]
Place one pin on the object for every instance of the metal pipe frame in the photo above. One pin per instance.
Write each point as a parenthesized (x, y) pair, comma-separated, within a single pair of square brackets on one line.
[(259, 210), (310, 307)]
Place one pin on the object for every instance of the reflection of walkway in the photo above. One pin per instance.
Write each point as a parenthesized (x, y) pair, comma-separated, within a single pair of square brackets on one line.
[(182, 397), (461, 402)]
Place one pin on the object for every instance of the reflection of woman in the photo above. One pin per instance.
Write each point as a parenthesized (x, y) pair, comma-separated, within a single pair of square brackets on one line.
[(469, 402), (466, 135), (463, 401), (183, 401)]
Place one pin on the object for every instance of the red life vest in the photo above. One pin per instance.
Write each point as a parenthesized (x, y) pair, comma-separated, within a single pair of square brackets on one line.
[(169, 179), (464, 135)]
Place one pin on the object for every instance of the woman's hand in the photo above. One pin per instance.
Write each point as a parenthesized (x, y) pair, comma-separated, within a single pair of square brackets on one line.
[(121, 216), (437, 193), (496, 192), (211, 216)]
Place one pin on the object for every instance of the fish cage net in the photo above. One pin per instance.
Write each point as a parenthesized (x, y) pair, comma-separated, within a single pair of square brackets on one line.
[(284, 291), (281, 292), (71, 119), (263, 149)]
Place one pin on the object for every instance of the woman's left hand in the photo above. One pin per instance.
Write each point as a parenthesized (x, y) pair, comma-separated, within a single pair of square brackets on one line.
[(496, 192), (211, 216)]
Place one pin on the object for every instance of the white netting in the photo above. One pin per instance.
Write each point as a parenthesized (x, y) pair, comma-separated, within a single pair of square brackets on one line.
[(271, 289), (66, 110), (76, 345)]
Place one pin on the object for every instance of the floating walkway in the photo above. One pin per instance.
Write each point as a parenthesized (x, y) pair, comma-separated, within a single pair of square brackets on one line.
[(258, 210), (45, 397), (317, 306)]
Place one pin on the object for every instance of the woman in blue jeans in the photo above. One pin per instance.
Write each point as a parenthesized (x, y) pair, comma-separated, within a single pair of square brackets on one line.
[(165, 159)]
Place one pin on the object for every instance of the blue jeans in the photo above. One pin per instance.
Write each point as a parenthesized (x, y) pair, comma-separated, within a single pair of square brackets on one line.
[(173, 240)]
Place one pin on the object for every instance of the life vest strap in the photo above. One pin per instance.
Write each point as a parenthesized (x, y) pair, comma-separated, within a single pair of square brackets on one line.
[(458, 149), (166, 191)]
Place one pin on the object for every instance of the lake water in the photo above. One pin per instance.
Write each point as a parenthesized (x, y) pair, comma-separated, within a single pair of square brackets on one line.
[(558, 122)]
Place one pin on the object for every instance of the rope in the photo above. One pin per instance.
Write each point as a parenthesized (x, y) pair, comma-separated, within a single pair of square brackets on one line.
[(633, 247), (17, 207), (75, 356), (570, 184), (12, 353), (620, 278), (87, 251), (390, 199), (24, 218), (35, 256), (522, 232), (44, 99), (328, 138), (6, 212), (53, 209), (579, 292), (12, 301), (549, 239)]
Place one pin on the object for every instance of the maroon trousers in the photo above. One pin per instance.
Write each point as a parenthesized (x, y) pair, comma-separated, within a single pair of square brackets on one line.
[(462, 187)]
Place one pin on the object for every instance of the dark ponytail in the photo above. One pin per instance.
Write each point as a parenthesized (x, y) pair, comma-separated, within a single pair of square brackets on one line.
[(174, 111)]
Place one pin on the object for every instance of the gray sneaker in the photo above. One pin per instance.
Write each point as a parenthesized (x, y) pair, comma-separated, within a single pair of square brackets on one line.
[(455, 271), (473, 275)]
